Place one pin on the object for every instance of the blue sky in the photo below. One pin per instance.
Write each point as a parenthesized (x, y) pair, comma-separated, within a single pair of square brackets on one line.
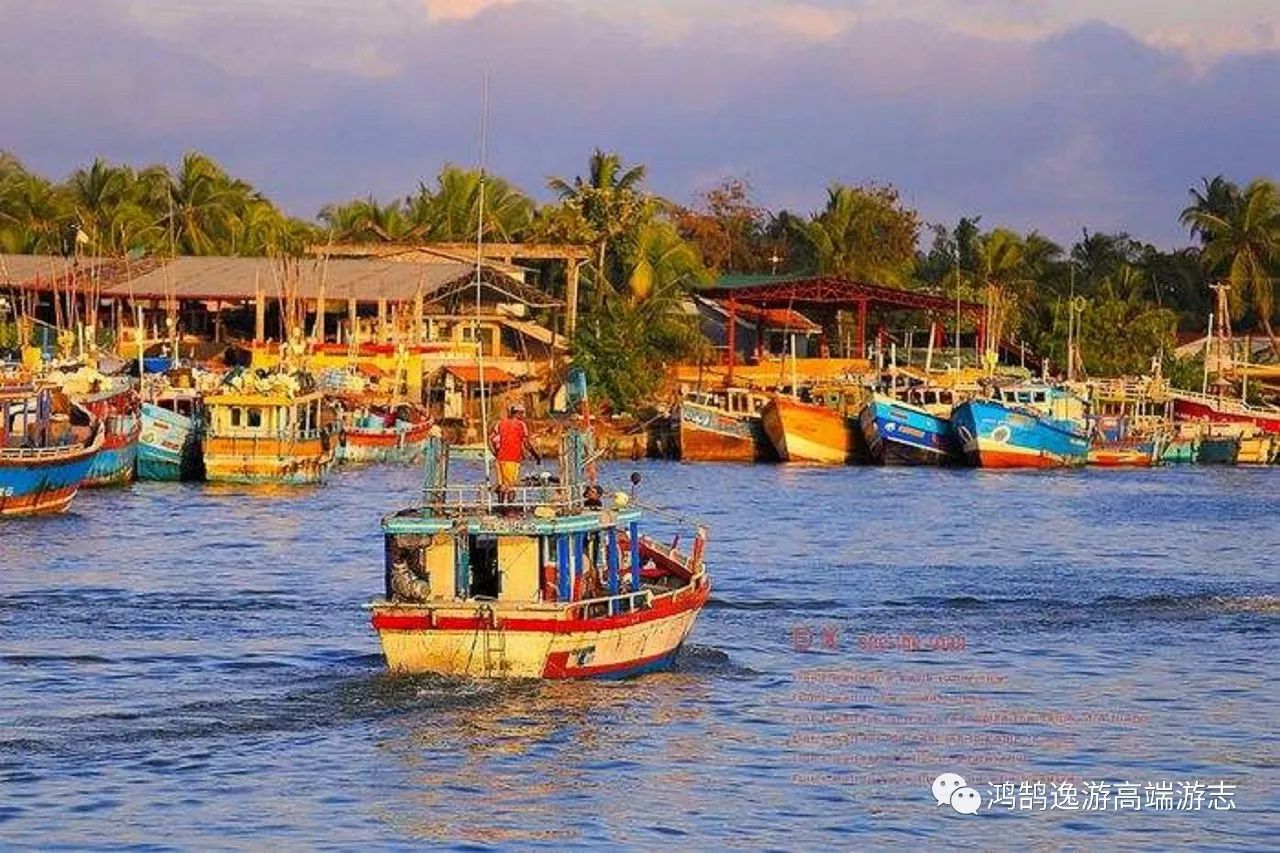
[(1034, 113)]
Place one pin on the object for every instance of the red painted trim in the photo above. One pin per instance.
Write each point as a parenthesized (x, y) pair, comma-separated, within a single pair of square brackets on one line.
[(682, 601), (558, 666)]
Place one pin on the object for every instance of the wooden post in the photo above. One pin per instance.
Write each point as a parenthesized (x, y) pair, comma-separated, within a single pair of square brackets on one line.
[(417, 314), (353, 319), (731, 336), (382, 320), (571, 297), (259, 312), (862, 329)]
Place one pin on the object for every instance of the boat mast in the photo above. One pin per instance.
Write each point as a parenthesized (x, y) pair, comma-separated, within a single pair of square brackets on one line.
[(475, 327)]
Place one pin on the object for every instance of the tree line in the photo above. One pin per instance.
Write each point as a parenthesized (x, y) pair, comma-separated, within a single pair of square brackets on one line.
[(648, 252)]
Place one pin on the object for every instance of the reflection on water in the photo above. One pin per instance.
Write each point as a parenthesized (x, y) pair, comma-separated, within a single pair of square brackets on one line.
[(187, 662)]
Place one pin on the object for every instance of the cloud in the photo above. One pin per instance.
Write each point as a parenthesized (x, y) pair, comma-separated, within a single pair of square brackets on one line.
[(1092, 125)]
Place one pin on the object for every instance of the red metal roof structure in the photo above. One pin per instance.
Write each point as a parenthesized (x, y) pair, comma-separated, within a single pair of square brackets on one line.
[(827, 291)]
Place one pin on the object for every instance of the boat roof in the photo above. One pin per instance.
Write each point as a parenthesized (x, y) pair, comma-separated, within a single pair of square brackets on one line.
[(421, 520), (242, 398)]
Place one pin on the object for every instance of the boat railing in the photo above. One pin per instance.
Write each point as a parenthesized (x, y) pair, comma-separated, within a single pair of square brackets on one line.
[(1226, 403), (463, 498), (39, 452), (245, 434), (626, 602)]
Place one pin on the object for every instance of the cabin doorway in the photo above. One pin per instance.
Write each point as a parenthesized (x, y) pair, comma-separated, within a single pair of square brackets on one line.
[(484, 567)]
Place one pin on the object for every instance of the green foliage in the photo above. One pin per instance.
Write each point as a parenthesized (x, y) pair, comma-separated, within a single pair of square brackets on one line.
[(863, 233)]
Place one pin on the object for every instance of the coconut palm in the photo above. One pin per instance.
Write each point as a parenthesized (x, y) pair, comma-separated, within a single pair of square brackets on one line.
[(863, 234), (450, 212), (611, 203), (366, 220), (203, 204), (1240, 233)]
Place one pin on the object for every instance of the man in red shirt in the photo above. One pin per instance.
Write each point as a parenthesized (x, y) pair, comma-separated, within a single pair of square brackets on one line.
[(509, 441)]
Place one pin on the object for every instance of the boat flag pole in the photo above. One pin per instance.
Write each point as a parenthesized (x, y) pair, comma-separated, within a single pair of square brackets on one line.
[(475, 328)]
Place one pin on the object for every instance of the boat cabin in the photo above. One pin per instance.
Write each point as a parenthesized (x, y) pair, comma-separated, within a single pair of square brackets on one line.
[(273, 415), (738, 402), (1047, 400), (29, 419)]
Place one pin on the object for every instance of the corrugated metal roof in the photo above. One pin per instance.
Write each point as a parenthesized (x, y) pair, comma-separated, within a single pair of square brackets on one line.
[(471, 373), (222, 278)]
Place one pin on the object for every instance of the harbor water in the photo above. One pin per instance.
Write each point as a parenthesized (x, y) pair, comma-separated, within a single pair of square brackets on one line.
[(187, 665)]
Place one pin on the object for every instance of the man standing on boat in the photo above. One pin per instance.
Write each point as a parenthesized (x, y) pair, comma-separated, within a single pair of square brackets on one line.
[(509, 441)]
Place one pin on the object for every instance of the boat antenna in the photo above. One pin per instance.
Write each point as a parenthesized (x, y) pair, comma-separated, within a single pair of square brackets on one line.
[(475, 323)]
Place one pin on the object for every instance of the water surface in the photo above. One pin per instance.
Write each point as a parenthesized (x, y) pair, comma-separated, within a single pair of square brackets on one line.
[(185, 665)]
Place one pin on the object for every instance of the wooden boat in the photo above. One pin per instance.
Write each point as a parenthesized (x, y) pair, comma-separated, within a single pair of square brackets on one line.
[(270, 431), (553, 585), (173, 420), (43, 458), (1117, 443), (914, 429), (1023, 426), (1218, 447), (383, 434), (1256, 448), (822, 430), (1190, 406), (722, 426), (119, 412)]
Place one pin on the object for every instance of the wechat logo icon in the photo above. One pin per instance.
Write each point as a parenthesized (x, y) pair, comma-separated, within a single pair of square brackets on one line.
[(950, 789)]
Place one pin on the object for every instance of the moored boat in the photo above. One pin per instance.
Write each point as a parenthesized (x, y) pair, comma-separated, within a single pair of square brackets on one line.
[(1023, 426), (915, 430), (552, 584), (722, 426), (383, 434), (119, 413), (169, 447), (268, 429), (1116, 443), (822, 430), (1206, 408), (43, 458)]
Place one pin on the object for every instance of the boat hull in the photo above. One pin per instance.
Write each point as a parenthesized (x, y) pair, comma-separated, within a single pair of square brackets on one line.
[(42, 482), (1256, 449), (1220, 412), (113, 465), (705, 434), (1141, 455), (535, 641), (901, 434), (994, 436), (1218, 450), (806, 432), (169, 446), (267, 461), (364, 445)]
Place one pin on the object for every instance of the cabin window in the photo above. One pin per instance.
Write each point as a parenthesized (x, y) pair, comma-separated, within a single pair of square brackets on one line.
[(254, 416), (235, 416), (1039, 396), (485, 578)]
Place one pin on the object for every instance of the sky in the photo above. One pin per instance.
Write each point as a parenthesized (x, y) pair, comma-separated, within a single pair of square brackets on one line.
[(1054, 115)]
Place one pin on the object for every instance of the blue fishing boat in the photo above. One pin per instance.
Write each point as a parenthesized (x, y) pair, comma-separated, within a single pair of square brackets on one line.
[(169, 446), (916, 430), (43, 458), (1023, 426), (118, 412)]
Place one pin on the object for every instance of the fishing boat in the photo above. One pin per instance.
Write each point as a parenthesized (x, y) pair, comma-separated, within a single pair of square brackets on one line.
[(119, 413), (1207, 408), (378, 433), (1116, 443), (170, 445), (555, 583), (722, 426), (267, 429), (1218, 447), (822, 429), (43, 457), (1023, 426), (911, 429)]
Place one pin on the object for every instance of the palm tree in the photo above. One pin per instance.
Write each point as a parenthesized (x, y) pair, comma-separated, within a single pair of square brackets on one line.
[(863, 234), (365, 220), (203, 205), (610, 202), (1240, 234), (451, 211), (1002, 259)]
